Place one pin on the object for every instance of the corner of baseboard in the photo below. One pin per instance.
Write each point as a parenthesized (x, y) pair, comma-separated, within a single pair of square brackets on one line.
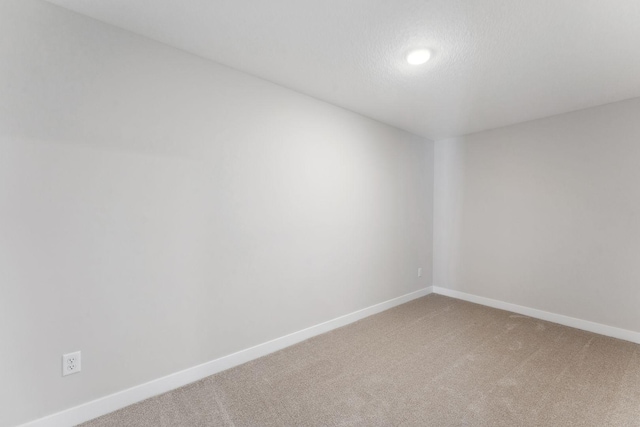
[(585, 325)]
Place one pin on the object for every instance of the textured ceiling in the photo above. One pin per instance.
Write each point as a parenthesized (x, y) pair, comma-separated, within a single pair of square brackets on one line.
[(495, 63)]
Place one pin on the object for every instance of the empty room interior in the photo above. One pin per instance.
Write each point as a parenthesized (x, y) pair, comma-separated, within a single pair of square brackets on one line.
[(319, 213)]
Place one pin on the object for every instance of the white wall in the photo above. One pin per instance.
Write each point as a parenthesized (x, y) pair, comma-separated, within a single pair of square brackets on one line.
[(158, 211), (545, 214)]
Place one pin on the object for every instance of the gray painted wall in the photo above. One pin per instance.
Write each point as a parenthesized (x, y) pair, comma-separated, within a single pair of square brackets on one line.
[(545, 214), (158, 211)]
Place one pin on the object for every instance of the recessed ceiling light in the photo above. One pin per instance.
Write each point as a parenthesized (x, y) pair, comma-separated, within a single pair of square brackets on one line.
[(417, 57)]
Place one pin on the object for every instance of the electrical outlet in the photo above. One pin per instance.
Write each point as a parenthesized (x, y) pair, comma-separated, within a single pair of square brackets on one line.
[(71, 363), (420, 272)]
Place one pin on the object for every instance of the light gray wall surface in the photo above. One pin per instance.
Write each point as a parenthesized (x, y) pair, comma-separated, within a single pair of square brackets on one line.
[(158, 211), (545, 214)]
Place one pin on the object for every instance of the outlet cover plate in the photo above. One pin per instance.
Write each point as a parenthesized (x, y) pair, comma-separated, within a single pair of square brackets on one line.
[(71, 363)]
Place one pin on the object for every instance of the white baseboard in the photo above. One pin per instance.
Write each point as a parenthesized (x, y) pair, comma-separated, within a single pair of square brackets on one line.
[(585, 325), (113, 402)]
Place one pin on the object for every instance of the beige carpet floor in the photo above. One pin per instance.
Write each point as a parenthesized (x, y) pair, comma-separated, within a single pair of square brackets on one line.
[(435, 361)]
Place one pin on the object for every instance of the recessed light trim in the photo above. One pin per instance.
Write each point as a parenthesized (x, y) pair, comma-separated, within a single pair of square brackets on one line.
[(418, 56)]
